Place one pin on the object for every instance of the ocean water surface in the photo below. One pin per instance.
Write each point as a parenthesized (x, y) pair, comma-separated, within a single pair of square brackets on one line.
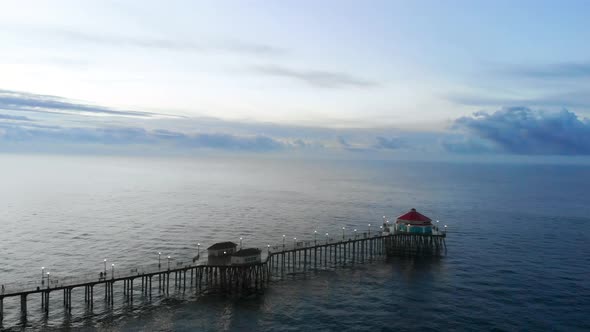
[(518, 240)]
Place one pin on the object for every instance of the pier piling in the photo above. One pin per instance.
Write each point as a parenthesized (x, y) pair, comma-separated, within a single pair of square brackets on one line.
[(237, 279)]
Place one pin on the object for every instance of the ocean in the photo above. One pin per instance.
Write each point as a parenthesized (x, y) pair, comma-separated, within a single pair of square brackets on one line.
[(518, 240)]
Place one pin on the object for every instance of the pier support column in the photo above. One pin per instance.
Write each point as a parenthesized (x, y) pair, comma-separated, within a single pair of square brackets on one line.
[(167, 281), (315, 257), (23, 306)]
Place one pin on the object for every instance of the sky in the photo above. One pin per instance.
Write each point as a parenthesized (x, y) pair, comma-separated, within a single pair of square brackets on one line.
[(363, 78)]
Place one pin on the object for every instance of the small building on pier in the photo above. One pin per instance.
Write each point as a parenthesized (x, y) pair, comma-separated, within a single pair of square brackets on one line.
[(222, 249), (413, 222), (246, 256)]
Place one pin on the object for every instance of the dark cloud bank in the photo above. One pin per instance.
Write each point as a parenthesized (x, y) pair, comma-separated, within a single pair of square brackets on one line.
[(522, 131)]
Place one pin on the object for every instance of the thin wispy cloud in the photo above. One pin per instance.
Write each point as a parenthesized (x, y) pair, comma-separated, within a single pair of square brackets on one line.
[(564, 70), (14, 117), (577, 98), (30, 102), (316, 78), (185, 45)]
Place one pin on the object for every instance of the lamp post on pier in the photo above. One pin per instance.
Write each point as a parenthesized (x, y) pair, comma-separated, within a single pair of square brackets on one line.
[(343, 233), (168, 262), (315, 237), (326, 238), (105, 267), (47, 279), (159, 259), (294, 242), (42, 275), (241, 238), (112, 271), (198, 249), (268, 246), (369, 229), (355, 233), (283, 241), (445, 229)]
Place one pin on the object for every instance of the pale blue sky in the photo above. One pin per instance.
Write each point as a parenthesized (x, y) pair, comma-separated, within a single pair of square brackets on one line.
[(368, 66)]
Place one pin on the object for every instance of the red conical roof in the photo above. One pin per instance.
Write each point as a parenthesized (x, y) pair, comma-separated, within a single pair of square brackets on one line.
[(414, 217)]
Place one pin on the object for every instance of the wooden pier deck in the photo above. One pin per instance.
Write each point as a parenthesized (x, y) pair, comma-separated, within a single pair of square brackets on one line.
[(279, 261)]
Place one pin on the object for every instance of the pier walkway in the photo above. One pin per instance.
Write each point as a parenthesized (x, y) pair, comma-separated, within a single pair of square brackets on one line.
[(201, 277)]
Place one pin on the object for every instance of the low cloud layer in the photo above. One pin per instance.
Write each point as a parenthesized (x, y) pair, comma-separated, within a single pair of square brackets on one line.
[(13, 133), (513, 130), (316, 78), (523, 131), (30, 102), (393, 143)]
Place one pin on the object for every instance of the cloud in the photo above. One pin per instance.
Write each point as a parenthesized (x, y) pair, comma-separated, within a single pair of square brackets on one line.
[(357, 147), (578, 98), (520, 130), (232, 142), (552, 71), (390, 144), (238, 47), (14, 117), (40, 134), (317, 78), (562, 85), (342, 141), (30, 102)]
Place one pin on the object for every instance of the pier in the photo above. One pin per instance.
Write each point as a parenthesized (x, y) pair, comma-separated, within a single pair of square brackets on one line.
[(298, 257)]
